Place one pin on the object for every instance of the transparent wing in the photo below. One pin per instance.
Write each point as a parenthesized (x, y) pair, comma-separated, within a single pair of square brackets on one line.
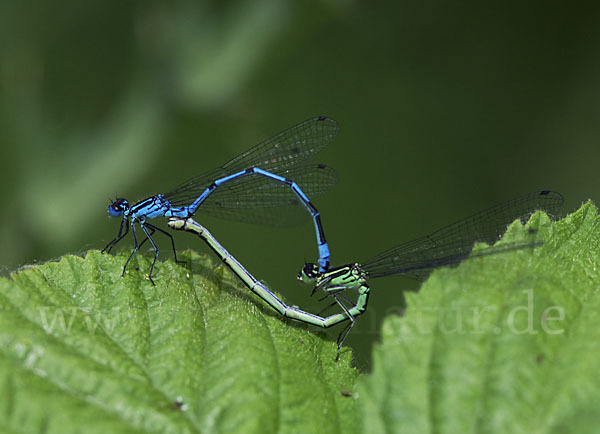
[(256, 199), (453, 243), (278, 155)]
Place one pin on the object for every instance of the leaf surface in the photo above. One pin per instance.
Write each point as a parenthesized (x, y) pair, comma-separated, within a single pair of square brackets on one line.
[(503, 343)]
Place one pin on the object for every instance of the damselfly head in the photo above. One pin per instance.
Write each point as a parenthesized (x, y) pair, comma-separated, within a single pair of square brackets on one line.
[(118, 207), (309, 273)]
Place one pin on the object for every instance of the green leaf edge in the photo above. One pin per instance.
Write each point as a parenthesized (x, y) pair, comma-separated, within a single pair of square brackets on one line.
[(430, 382), (209, 283), (258, 372)]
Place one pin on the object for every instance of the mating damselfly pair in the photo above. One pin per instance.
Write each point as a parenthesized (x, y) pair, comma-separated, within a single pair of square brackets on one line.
[(255, 187)]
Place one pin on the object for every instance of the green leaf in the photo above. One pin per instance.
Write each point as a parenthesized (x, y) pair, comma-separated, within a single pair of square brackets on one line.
[(83, 349), (503, 343)]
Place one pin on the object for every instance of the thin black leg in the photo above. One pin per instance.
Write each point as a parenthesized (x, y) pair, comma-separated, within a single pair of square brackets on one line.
[(342, 337), (346, 299), (344, 308), (119, 237), (153, 228), (146, 239), (334, 290), (344, 333), (135, 247), (326, 308), (156, 228), (337, 296), (143, 226)]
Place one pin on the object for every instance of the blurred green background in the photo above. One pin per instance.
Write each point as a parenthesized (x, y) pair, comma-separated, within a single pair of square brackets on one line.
[(445, 108)]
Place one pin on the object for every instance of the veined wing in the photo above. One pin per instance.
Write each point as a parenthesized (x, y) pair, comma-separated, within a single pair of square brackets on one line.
[(277, 154), (453, 243), (256, 199)]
